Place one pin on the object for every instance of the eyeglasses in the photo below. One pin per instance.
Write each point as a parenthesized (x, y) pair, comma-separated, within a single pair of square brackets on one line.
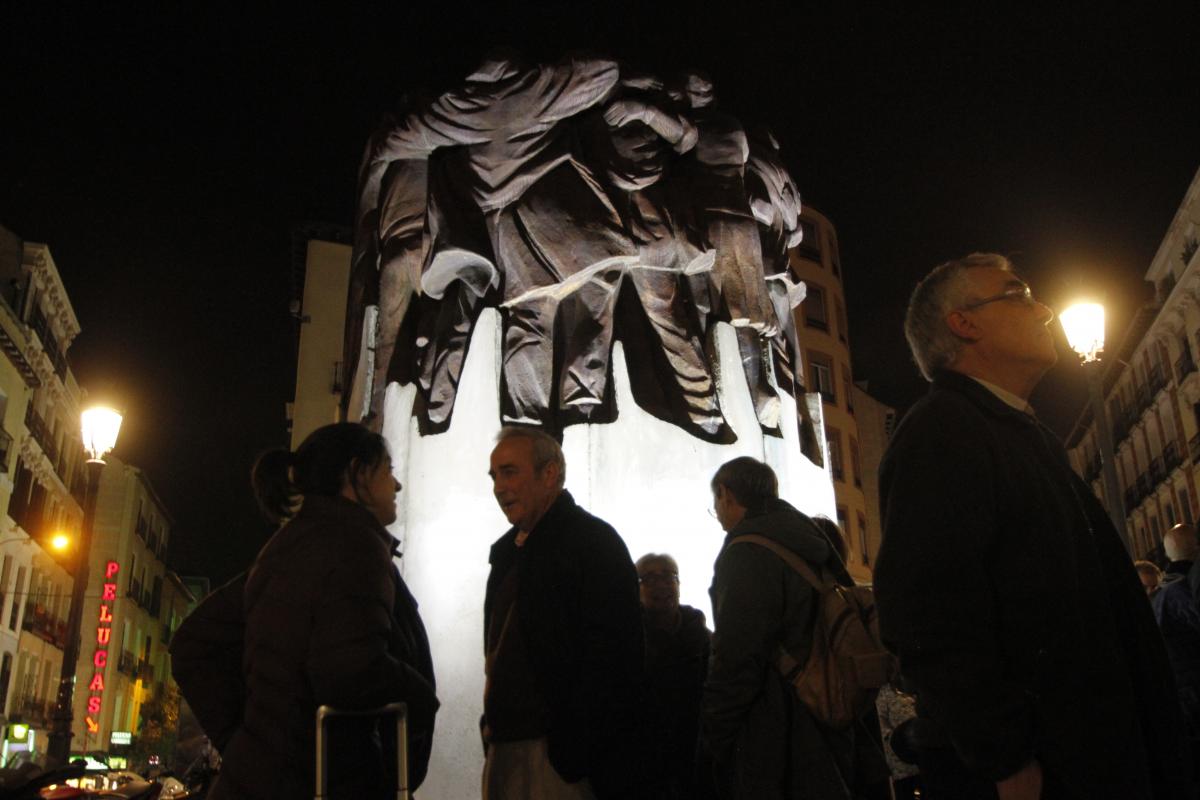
[(1022, 294), (658, 577)]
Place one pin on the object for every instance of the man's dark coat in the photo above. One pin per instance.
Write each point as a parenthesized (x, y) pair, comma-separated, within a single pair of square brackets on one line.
[(1014, 608), (1178, 619), (578, 610), (676, 666), (328, 621), (764, 742)]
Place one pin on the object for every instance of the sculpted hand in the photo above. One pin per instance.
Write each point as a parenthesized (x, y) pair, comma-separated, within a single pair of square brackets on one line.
[(1026, 784), (623, 112)]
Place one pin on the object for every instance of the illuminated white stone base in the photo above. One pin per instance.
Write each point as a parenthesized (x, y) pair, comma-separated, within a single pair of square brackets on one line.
[(648, 478)]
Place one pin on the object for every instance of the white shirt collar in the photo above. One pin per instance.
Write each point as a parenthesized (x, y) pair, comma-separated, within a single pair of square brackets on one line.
[(1008, 397)]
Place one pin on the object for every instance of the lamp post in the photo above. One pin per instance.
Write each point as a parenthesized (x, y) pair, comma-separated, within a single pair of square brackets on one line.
[(99, 427), (1083, 324)]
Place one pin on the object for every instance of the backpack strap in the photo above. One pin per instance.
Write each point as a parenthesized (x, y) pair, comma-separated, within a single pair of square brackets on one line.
[(791, 559), (787, 664)]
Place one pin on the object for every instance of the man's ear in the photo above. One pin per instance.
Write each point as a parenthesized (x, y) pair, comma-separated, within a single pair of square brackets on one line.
[(550, 471), (962, 326)]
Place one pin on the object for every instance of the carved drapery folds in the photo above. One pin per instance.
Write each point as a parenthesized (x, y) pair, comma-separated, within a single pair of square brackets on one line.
[(588, 204)]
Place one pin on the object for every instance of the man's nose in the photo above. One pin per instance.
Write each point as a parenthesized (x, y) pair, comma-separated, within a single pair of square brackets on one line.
[(1045, 313)]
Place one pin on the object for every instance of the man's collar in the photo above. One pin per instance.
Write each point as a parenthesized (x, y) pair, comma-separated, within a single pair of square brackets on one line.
[(977, 391), (1008, 397)]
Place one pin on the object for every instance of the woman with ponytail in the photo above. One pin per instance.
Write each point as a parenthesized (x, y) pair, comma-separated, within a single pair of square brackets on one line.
[(328, 621)]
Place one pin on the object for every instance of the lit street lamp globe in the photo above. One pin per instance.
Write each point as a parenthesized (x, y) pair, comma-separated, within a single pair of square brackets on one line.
[(1083, 323)]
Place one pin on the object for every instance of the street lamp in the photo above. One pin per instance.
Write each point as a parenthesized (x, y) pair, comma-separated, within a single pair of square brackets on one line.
[(99, 427), (1083, 323), (58, 542)]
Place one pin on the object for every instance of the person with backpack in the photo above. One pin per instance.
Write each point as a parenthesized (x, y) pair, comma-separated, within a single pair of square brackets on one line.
[(765, 741)]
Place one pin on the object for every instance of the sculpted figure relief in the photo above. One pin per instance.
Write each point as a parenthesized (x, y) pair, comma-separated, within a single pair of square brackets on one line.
[(588, 203)]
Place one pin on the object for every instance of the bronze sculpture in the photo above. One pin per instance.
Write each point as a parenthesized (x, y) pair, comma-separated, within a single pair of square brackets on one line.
[(587, 203)]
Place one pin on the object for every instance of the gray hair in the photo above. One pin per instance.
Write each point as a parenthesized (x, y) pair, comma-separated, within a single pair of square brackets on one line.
[(751, 482), (546, 449), (934, 346), (651, 558)]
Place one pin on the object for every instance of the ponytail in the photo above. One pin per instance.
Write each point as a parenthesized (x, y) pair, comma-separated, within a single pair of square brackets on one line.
[(271, 478), (321, 465)]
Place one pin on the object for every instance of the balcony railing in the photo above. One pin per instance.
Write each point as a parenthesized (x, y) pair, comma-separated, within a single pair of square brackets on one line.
[(32, 710), (38, 622), (40, 433)]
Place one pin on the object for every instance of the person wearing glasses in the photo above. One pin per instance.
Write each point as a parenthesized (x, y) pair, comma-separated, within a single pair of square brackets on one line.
[(677, 642), (1001, 584)]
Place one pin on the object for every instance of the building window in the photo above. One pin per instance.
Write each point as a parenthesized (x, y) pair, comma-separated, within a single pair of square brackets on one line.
[(842, 518), (815, 313), (18, 594), (1185, 506), (854, 462), (834, 439), (847, 384), (820, 367), (862, 540), (841, 322), (1169, 513), (5, 679), (810, 243)]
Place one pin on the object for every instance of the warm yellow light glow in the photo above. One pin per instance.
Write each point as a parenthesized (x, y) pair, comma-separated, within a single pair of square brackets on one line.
[(19, 732), (100, 426), (1084, 325), (60, 541)]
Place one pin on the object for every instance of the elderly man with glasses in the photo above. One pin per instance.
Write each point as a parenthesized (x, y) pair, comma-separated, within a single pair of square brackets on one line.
[(1001, 584)]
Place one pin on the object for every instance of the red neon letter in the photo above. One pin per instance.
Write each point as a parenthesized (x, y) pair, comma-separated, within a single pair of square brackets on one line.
[(103, 635), (111, 569), (94, 705), (110, 592), (97, 684), (100, 659), (105, 614)]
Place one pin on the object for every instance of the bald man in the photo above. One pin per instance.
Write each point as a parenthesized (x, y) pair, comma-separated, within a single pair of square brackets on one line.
[(1179, 620)]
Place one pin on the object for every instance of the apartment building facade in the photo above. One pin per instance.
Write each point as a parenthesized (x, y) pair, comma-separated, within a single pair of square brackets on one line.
[(1151, 392), (133, 606), (823, 331)]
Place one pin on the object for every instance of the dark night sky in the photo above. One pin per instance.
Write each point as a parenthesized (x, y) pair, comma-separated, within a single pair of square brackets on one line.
[(165, 157)]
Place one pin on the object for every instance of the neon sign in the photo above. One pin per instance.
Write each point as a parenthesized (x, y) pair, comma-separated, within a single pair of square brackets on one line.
[(103, 637)]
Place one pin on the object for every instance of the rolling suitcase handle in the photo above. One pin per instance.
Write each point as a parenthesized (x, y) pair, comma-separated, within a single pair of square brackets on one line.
[(400, 710)]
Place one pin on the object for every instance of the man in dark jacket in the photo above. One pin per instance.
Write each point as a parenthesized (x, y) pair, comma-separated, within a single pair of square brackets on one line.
[(563, 639), (1001, 584), (1178, 619), (764, 742), (677, 646)]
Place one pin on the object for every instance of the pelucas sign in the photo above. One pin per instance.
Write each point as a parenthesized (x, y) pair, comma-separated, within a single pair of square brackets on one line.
[(108, 597)]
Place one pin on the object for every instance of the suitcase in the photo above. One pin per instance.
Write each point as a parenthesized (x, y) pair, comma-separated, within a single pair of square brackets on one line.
[(399, 710)]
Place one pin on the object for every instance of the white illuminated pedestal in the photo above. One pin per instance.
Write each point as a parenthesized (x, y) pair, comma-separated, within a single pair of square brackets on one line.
[(647, 478)]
